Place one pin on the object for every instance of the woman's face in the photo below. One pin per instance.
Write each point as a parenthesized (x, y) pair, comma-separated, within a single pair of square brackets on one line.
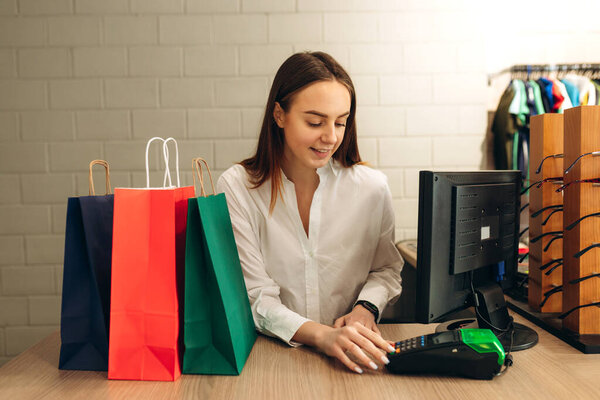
[(314, 125)]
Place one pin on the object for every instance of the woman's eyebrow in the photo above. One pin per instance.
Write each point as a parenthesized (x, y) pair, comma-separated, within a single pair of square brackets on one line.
[(313, 112)]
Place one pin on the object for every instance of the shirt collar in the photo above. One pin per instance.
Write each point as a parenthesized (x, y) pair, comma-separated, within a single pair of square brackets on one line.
[(331, 167)]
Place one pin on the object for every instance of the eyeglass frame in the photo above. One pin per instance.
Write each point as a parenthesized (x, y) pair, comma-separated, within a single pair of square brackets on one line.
[(577, 221), (584, 278), (552, 213), (541, 210), (585, 250), (566, 185), (547, 294), (539, 168), (565, 314), (538, 184), (593, 153)]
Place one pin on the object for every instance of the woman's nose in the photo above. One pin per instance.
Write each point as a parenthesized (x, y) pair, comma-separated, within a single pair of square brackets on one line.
[(328, 135)]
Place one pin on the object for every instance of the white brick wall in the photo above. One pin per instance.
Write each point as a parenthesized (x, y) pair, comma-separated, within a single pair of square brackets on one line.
[(7, 64), (45, 7), (100, 61), (210, 60), (44, 63), (76, 94), (101, 7), (51, 126), (86, 79)]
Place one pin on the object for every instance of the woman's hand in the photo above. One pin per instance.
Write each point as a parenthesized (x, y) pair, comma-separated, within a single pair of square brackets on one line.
[(357, 340), (353, 338), (358, 314)]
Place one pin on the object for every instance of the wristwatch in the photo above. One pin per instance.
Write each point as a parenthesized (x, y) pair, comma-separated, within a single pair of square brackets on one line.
[(369, 306)]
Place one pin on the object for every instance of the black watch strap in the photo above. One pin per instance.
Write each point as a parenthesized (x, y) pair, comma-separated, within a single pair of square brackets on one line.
[(369, 306)]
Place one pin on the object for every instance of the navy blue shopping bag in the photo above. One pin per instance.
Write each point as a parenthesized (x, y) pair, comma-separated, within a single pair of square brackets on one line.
[(85, 313)]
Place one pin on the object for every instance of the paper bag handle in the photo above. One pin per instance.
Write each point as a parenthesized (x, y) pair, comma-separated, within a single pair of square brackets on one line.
[(166, 157), (196, 164), (92, 192)]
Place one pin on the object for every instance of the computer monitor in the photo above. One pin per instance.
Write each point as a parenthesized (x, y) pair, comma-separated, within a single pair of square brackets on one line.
[(467, 251)]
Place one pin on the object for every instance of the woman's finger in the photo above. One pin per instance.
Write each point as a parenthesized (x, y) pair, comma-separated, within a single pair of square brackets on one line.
[(360, 355), (375, 338), (368, 346), (376, 329), (339, 322), (340, 355)]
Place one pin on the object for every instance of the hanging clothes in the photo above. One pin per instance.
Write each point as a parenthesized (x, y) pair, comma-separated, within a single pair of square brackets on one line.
[(544, 94), (523, 99), (572, 91), (503, 130), (537, 97), (557, 97), (566, 101), (548, 86), (586, 87)]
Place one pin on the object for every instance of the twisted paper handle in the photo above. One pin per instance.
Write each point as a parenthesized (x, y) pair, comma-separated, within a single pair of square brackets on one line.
[(92, 192), (197, 166)]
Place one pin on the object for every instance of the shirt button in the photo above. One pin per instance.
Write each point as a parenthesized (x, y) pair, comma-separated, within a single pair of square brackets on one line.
[(311, 254)]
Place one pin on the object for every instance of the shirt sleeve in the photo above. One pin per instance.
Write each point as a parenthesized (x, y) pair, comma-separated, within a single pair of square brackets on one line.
[(271, 317), (384, 282)]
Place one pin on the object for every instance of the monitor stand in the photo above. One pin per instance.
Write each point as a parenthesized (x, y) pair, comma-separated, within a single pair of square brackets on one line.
[(491, 308)]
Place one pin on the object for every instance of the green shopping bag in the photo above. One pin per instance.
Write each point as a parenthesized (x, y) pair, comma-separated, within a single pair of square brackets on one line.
[(218, 325)]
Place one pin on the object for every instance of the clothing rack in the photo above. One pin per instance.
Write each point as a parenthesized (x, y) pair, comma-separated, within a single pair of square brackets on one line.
[(524, 70)]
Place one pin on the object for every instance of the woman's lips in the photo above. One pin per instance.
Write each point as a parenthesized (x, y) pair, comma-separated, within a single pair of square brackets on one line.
[(321, 154)]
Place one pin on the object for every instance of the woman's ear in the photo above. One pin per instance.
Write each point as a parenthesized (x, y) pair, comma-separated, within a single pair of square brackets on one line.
[(278, 115)]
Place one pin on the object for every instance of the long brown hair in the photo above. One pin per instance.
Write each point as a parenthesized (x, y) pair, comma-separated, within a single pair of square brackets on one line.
[(298, 71)]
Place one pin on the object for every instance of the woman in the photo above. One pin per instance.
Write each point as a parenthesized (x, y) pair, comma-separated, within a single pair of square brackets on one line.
[(313, 226)]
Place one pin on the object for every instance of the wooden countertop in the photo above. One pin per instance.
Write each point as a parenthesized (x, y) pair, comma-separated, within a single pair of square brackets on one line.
[(550, 370)]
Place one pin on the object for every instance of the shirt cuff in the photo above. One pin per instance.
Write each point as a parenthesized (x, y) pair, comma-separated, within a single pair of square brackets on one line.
[(285, 330), (376, 294)]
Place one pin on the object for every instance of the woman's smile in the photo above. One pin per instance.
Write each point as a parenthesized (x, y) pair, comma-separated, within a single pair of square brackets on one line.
[(321, 153)]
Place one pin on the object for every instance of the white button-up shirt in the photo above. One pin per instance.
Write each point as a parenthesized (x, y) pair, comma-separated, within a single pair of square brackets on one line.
[(348, 255)]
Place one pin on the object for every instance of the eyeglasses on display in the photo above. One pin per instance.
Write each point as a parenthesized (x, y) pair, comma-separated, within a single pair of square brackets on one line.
[(549, 293), (523, 231), (583, 251), (566, 185), (572, 225), (556, 237), (557, 261), (538, 184), (539, 168), (541, 210), (523, 257), (592, 153), (585, 278), (535, 239), (549, 215), (564, 315)]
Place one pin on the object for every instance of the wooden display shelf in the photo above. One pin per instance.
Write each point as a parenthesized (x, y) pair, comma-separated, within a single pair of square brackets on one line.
[(582, 135), (546, 138)]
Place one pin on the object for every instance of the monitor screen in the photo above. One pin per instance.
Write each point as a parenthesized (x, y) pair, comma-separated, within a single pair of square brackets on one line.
[(468, 221), (467, 251)]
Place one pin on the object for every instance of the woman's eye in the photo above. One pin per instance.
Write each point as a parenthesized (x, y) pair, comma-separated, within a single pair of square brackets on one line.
[(314, 125), (339, 124)]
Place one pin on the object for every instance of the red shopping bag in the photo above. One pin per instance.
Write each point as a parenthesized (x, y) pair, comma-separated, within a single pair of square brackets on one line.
[(147, 271)]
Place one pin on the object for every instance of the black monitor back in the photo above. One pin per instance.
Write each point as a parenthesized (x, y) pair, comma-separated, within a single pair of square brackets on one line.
[(468, 221)]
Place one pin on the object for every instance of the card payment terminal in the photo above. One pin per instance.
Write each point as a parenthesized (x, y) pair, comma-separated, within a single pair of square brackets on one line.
[(472, 353)]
